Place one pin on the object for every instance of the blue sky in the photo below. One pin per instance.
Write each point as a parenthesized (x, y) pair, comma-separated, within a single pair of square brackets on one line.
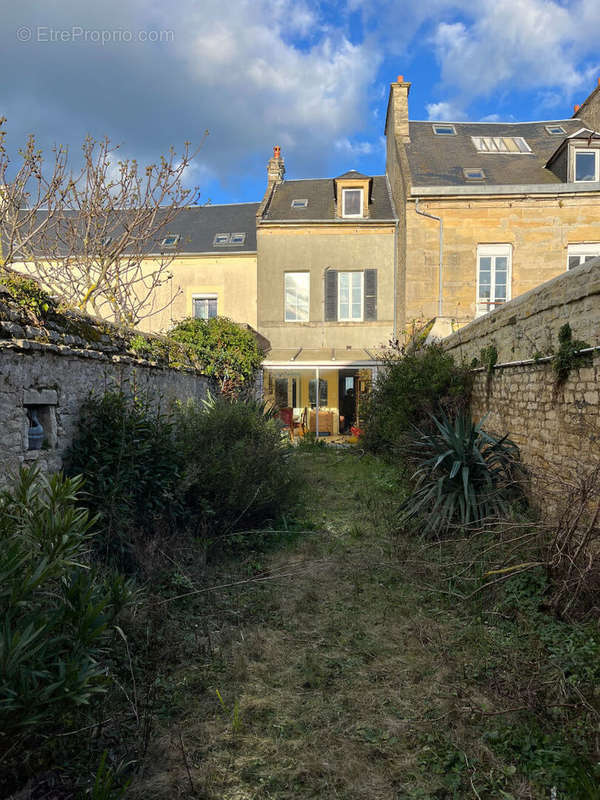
[(310, 76)]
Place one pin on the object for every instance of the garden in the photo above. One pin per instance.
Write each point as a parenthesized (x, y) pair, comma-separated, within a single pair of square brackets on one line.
[(199, 609)]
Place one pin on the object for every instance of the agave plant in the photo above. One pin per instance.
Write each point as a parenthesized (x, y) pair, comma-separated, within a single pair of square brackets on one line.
[(464, 474)]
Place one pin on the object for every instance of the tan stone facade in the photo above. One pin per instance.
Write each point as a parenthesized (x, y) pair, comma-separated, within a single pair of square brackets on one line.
[(231, 279), (539, 230)]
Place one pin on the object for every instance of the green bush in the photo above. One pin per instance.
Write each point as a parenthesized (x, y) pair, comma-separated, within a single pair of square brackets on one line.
[(229, 353), (237, 473), (464, 475), (413, 384), (125, 450), (56, 613)]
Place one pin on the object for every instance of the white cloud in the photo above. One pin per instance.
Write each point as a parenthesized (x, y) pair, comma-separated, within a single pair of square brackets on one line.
[(355, 148), (445, 111)]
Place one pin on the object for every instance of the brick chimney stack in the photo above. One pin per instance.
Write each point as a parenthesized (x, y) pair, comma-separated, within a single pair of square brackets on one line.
[(398, 109), (275, 167)]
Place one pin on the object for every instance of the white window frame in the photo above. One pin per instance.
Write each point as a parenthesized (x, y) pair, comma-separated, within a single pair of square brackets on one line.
[(492, 250), (577, 150), (299, 202), (305, 275), (582, 250), (204, 296), (449, 129), (362, 296), (352, 189)]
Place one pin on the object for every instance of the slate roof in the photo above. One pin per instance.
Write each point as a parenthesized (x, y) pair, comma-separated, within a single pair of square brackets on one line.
[(197, 227), (352, 174), (436, 160), (320, 193)]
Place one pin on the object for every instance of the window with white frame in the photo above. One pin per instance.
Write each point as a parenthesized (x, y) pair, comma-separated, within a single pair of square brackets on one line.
[(350, 296), (493, 276), (580, 253), (352, 202), (297, 296), (204, 306), (585, 166)]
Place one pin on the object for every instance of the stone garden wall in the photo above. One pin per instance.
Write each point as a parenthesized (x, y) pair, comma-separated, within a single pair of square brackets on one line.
[(50, 366), (556, 425)]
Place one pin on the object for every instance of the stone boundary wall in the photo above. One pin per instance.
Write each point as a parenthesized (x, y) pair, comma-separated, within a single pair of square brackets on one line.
[(54, 381), (557, 430), (528, 325), (557, 427)]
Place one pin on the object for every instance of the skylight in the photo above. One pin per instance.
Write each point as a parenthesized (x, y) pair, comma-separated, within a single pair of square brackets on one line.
[(555, 130), (303, 203), (474, 174), (229, 238), (170, 240), (500, 144), (444, 130)]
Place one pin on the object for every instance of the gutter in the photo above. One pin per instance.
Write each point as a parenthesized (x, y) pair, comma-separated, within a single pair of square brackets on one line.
[(591, 187), (440, 279)]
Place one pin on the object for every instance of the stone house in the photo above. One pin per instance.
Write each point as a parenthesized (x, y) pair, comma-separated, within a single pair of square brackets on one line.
[(213, 269), (325, 289), (488, 210)]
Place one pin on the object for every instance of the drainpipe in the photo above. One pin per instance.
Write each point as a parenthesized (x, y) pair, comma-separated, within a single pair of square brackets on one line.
[(438, 219), (317, 406)]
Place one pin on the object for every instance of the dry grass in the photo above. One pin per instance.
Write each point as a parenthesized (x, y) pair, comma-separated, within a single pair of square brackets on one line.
[(347, 679)]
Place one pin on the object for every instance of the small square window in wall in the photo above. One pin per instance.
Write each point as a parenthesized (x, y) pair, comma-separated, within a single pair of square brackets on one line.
[(204, 306), (352, 202), (586, 165), (444, 130)]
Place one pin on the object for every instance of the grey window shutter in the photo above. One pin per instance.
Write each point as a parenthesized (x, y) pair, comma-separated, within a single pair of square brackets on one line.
[(331, 292), (370, 294)]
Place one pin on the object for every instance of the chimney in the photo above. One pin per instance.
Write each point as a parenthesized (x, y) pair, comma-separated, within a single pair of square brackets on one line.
[(398, 109), (275, 167), (576, 108)]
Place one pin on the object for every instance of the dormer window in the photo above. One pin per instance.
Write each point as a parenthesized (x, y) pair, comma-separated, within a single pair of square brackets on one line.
[(302, 203), (555, 130), (170, 240), (352, 202), (585, 165), (444, 130)]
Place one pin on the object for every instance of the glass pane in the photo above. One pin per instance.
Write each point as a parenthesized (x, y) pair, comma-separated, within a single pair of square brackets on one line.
[(281, 392), (522, 144), (484, 292), (212, 308), (501, 263), (500, 292), (297, 296), (585, 166), (312, 399), (574, 261), (485, 262), (351, 201)]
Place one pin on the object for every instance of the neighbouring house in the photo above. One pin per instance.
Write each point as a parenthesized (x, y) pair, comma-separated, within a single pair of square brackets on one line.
[(326, 290), (213, 269), (488, 210)]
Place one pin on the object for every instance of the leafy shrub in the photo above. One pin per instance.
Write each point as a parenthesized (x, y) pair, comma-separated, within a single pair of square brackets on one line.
[(568, 353), (237, 469), (229, 353), (463, 474), (56, 613), (125, 450), (414, 383)]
